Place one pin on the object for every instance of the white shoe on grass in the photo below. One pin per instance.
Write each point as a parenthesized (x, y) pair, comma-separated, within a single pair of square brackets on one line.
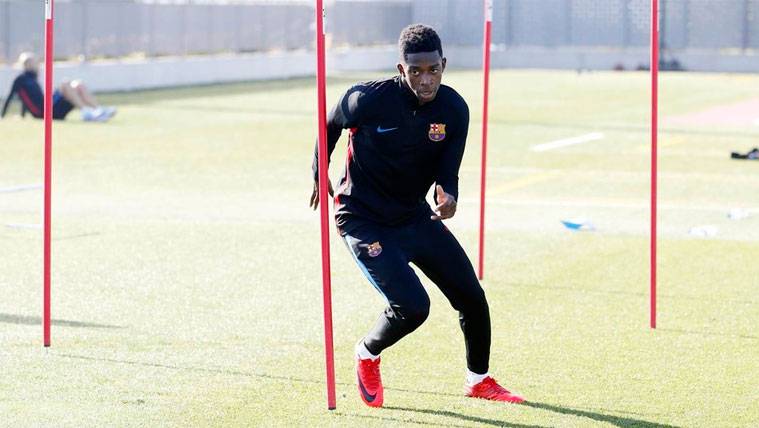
[(94, 114), (109, 111)]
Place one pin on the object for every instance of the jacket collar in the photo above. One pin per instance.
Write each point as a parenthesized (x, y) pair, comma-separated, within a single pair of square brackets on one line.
[(406, 93)]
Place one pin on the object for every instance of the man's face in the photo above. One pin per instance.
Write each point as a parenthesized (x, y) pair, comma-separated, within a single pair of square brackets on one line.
[(423, 72)]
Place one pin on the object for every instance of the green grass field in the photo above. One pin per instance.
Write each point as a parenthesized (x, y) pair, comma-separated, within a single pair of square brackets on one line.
[(186, 278)]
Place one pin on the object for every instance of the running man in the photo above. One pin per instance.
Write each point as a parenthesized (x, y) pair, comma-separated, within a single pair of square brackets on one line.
[(68, 96), (406, 134)]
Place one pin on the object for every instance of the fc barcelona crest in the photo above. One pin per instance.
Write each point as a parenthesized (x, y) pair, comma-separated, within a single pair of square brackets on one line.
[(374, 249), (437, 131)]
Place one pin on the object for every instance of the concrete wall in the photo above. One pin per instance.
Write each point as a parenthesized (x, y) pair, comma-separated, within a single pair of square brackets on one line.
[(124, 75)]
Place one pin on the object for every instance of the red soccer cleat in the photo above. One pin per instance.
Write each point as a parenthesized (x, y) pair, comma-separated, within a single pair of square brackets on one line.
[(489, 389), (369, 381)]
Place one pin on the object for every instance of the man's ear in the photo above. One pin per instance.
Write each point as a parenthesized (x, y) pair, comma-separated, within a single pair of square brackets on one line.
[(444, 62), (401, 70)]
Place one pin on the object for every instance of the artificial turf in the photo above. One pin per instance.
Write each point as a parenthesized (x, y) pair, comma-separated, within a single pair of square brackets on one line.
[(186, 264)]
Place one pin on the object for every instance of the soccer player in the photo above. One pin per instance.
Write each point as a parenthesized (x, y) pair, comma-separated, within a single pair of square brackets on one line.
[(68, 96), (406, 134)]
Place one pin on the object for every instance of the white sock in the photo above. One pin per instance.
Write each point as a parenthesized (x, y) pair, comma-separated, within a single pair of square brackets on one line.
[(364, 353), (473, 378)]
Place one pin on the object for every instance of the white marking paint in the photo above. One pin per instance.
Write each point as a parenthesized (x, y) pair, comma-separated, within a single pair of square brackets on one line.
[(601, 204), (23, 188), (23, 226), (738, 214), (706, 231), (628, 175), (593, 136)]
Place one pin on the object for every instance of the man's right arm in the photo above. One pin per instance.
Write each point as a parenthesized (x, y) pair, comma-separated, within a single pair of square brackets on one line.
[(345, 114)]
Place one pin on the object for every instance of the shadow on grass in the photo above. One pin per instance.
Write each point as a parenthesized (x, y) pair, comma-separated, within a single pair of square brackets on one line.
[(463, 417), (396, 421), (231, 372), (618, 421), (414, 391), (27, 320), (708, 333), (18, 232), (190, 368), (77, 236)]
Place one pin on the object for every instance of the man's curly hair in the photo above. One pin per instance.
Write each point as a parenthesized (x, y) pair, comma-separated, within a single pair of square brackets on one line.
[(418, 38)]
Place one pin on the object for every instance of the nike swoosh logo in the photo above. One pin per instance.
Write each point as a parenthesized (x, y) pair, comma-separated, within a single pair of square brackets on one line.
[(381, 130), (368, 397)]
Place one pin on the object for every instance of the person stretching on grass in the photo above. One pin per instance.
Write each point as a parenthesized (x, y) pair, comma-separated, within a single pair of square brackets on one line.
[(406, 133), (68, 96)]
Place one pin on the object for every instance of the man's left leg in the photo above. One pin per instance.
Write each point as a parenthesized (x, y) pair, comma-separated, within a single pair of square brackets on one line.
[(441, 258)]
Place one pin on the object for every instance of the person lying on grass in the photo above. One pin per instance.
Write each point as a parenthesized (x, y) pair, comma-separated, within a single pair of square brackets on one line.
[(69, 95)]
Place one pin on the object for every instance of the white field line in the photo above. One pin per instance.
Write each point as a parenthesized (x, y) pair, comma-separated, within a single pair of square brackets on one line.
[(614, 174), (22, 188), (23, 226), (609, 205), (593, 136)]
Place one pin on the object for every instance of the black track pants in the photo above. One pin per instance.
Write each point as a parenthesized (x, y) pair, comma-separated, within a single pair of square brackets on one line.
[(383, 253)]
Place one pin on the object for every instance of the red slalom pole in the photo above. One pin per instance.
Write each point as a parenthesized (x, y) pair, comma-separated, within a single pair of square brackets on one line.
[(485, 98), (321, 85), (48, 117), (654, 149)]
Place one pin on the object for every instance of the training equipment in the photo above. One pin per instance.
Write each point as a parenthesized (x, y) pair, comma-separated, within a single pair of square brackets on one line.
[(489, 389), (321, 89), (48, 117), (486, 90), (578, 224), (654, 150), (370, 381), (753, 154), (738, 214)]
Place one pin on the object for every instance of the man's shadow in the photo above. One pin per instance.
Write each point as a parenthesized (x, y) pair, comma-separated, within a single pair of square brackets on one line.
[(34, 320), (463, 417), (618, 421), (599, 417)]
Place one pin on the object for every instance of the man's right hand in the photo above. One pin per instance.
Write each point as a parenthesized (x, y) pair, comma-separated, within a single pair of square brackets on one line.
[(315, 194)]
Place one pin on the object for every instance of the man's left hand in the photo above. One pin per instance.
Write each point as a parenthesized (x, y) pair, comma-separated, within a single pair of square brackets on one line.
[(446, 204)]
